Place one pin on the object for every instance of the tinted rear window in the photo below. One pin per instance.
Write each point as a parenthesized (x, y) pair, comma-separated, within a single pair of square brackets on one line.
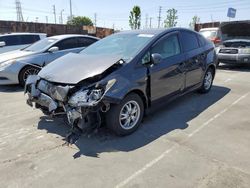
[(189, 41)]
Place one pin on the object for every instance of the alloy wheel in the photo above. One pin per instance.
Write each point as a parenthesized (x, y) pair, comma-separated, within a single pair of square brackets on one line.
[(129, 115)]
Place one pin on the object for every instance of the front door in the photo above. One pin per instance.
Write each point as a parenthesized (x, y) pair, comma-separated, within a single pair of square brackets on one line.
[(167, 77)]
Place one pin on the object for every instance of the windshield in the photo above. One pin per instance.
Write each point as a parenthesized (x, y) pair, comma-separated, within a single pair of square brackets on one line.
[(209, 34), (125, 45), (40, 45)]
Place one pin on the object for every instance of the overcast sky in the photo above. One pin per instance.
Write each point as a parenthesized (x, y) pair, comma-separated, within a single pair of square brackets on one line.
[(116, 12)]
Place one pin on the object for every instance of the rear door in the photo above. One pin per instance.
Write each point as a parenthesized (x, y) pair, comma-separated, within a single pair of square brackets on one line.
[(195, 59), (167, 78)]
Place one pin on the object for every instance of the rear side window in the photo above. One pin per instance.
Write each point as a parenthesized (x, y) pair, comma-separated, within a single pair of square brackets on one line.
[(29, 39), (67, 44), (167, 47), (84, 41), (202, 40), (189, 41)]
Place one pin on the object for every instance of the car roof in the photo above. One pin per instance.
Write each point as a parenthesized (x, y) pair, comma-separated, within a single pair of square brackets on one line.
[(65, 36), (157, 31), (9, 34)]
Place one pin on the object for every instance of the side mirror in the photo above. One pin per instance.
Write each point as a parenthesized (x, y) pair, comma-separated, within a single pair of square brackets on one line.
[(53, 49), (2, 44), (156, 58)]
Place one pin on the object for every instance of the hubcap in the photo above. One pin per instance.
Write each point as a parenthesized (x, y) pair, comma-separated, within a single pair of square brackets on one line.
[(208, 80), (129, 115), (30, 71)]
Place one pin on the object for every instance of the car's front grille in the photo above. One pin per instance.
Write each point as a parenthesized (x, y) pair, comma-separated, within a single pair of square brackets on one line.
[(229, 51)]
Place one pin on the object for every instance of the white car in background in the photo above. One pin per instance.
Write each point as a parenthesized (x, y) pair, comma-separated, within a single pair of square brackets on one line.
[(15, 41), (213, 34)]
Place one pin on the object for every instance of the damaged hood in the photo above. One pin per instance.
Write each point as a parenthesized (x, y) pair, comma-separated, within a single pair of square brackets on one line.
[(14, 55), (235, 30), (73, 68)]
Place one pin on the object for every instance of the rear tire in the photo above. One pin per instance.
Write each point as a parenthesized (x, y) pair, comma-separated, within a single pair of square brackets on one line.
[(124, 118), (27, 71), (207, 81)]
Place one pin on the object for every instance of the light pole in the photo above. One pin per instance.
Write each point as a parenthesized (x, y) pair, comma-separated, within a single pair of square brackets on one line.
[(62, 16)]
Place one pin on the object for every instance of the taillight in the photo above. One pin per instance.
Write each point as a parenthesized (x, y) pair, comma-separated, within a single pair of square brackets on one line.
[(215, 40)]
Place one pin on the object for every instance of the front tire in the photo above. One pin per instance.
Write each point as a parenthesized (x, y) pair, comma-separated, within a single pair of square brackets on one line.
[(27, 71), (207, 81), (124, 118)]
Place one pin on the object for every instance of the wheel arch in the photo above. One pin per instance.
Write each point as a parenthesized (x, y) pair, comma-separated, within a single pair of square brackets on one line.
[(213, 67), (141, 95), (24, 67)]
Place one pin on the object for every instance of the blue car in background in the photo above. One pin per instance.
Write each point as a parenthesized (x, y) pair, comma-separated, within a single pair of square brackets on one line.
[(17, 65)]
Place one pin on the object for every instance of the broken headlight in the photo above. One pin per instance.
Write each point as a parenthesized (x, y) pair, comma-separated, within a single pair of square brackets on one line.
[(86, 97), (89, 97)]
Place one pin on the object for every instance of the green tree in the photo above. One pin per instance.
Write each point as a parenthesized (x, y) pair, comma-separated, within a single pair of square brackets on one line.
[(135, 18), (80, 21), (194, 21), (171, 19)]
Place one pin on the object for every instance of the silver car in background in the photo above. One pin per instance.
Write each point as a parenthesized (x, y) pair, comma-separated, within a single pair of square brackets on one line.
[(17, 65)]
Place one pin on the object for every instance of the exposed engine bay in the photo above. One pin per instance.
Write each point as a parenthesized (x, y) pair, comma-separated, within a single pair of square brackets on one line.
[(237, 43)]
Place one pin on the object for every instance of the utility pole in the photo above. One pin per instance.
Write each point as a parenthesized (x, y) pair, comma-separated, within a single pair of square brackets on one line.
[(159, 17), (46, 18), (95, 19), (150, 22), (61, 16), (19, 11), (54, 12), (71, 14), (146, 22)]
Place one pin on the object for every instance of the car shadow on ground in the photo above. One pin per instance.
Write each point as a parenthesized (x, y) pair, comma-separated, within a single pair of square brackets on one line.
[(239, 67), (10, 88), (161, 121)]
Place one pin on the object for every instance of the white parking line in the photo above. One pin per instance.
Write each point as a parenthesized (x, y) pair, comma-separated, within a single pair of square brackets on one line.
[(156, 160)]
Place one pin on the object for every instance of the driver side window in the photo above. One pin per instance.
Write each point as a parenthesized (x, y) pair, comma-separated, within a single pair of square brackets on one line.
[(67, 44), (167, 47)]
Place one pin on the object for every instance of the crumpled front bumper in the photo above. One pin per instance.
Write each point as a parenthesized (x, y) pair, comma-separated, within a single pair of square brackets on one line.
[(37, 95)]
